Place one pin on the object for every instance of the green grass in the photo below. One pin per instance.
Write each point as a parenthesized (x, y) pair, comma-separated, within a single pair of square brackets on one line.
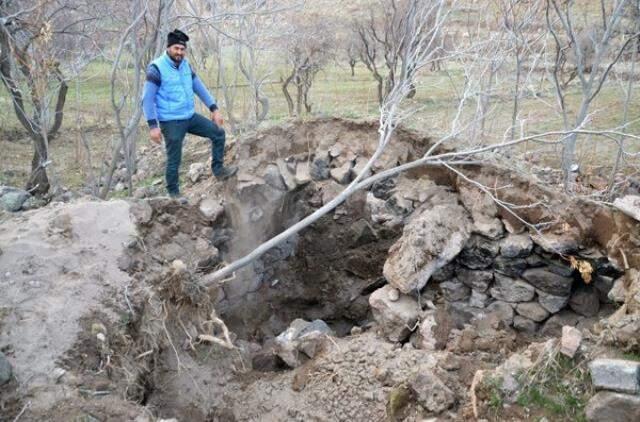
[(496, 400), (631, 356), (561, 389), (335, 93)]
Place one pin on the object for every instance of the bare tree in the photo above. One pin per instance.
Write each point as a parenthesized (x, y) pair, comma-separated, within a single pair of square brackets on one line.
[(244, 30), (33, 37), (592, 53), (140, 37), (518, 19), (634, 12), (306, 54), (351, 53), (370, 54), (383, 38)]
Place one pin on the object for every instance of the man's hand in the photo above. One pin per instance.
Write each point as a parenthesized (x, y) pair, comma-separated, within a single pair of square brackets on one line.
[(156, 135), (216, 116)]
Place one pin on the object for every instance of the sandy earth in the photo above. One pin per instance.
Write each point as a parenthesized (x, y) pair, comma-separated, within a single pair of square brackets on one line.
[(58, 264)]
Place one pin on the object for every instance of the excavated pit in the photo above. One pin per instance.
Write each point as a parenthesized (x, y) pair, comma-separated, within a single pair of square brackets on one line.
[(330, 269), (501, 288)]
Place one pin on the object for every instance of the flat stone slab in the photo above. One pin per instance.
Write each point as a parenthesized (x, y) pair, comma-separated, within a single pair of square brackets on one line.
[(629, 205), (609, 407), (616, 375), (549, 282)]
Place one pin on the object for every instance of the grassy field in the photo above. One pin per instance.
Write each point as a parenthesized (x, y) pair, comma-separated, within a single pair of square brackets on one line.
[(334, 93)]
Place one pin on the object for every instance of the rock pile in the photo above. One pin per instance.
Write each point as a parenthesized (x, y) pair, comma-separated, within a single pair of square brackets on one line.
[(13, 199), (464, 255)]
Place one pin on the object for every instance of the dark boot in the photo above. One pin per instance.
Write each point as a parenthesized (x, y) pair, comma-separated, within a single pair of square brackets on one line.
[(226, 172)]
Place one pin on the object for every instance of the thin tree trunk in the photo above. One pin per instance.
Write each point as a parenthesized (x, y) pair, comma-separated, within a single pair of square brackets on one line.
[(516, 95), (38, 180), (625, 118), (287, 96)]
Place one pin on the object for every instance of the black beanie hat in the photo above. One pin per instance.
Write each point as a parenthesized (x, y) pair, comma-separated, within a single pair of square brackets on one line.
[(177, 37)]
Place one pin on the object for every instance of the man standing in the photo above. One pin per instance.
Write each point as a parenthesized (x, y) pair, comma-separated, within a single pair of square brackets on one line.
[(168, 103)]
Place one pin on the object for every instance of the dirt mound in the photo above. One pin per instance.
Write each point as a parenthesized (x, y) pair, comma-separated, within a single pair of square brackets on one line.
[(59, 264)]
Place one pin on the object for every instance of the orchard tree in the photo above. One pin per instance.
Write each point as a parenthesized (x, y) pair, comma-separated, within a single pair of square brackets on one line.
[(37, 39)]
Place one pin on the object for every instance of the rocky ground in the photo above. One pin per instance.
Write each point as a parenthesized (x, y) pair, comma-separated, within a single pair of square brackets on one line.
[(418, 299)]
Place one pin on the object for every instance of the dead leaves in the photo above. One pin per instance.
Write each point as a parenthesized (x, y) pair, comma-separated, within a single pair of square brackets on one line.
[(584, 267)]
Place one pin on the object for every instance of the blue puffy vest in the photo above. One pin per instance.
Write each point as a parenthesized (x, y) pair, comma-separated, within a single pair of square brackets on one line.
[(174, 100)]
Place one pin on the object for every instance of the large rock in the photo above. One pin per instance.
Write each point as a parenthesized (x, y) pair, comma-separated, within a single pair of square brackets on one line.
[(288, 176), (484, 211), (585, 301), (425, 339), (564, 242), (503, 311), (5, 369), (430, 392), (632, 298), (12, 199), (548, 282), (479, 299), (521, 323), (603, 285), (380, 212), (211, 209), (532, 310), (429, 241), (511, 267), (455, 291), (477, 280), (273, 177), (552, 303), (609, 407), (553, 326), (516, 246), (629, 205), (196, 171), (303, 173), (434, 330), (395, 315), (618, 291), (512, 290), (320, 166), (342, 174), (615, 374), (302, 340), (478, 253)]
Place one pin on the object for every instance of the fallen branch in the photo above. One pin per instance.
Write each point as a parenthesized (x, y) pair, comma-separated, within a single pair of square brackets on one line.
[(477, 378), (24, 409)]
